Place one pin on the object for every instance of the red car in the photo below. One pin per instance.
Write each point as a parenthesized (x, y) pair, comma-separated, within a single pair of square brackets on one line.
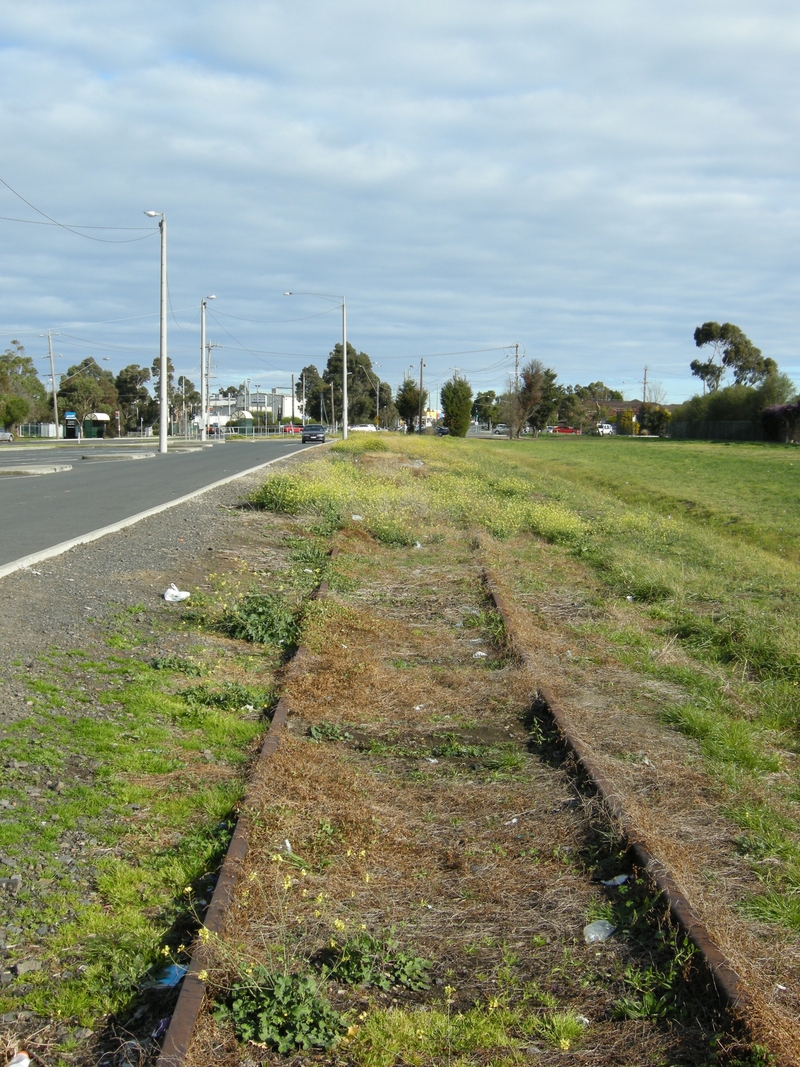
[(289, 428), (565, 429)]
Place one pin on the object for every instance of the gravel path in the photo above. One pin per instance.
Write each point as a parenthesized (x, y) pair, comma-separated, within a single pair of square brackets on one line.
[(59, 604)]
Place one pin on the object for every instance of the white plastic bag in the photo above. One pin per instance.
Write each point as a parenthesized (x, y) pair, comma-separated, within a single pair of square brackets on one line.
[(174, 595)]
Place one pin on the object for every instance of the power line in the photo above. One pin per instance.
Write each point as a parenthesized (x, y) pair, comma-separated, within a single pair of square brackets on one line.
[(77, 233), (77, 225)]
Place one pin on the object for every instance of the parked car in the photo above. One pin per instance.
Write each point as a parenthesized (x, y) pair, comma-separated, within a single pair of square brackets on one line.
[(442, 431), (313, 431), (7, 436), (501, 428), (604, 429), (366, 427), (290, 428), (565, 429)]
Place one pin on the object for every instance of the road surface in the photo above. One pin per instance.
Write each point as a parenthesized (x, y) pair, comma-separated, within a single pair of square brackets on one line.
[(38, 513)]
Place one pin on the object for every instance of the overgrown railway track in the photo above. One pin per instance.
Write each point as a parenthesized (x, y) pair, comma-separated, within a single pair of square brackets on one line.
[(421, 796)]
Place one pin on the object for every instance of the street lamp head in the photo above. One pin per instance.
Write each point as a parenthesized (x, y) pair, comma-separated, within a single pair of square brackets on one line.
[(152, 214), (212, 297), (288, 294)]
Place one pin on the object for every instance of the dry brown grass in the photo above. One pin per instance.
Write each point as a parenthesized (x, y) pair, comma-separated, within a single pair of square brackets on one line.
[(429, 849)]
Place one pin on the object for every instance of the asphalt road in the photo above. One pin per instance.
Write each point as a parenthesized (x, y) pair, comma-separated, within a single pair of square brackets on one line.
[(39, 512)]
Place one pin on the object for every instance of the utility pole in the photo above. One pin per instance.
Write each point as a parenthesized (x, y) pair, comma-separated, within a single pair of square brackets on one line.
[(53, 377), (333, 410), (303, 413), (163, 415), (344, 370), (421, 365), (292, 402), (515, 428), (644, 385)]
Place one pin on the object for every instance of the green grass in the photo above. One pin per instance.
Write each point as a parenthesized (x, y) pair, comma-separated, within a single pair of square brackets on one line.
[(149, 869)]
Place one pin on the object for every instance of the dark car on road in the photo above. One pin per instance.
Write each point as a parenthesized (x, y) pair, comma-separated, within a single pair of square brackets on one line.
[(313, 432)]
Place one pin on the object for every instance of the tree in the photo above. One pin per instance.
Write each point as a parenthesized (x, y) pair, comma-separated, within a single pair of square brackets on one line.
[(456, 398), (597, 391), (407, 402), (730, 349), (136, 405), (653, 418), (361, 378), (485, 408), (13, 409), (87, 387), (314, 391), (19, 381), (544, 411), (156, 369)]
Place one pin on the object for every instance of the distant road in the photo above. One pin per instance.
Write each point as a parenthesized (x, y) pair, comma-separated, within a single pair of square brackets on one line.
[(38, 513)]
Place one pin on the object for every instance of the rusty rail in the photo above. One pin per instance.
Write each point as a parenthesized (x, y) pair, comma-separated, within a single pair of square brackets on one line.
[(192, 994), (728, 982)]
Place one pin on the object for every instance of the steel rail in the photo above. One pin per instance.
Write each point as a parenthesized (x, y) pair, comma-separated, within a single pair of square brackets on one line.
[(727, 980), (193, 991)]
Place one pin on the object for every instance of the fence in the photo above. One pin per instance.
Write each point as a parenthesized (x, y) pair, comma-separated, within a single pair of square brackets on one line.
[(738, 430)]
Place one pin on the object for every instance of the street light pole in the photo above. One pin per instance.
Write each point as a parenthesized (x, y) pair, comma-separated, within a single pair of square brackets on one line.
[(163, 414), (421, 365), (326, 296), (203, 383), (344, 369)]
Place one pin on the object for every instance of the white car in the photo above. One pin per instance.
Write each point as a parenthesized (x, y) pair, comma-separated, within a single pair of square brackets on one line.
[(367, 427), (7, 436), (605, 429)]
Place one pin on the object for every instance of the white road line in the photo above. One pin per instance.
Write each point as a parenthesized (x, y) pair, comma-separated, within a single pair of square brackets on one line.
[(115, 527)]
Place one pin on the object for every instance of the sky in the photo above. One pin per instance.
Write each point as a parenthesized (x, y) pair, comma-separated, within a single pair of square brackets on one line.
[(589, 180)]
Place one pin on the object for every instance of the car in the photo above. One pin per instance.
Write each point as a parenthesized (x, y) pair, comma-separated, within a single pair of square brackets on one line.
[(365, 427), (604, 429), (313, 431), (442, 431), (7, 436), (565, 429), (501, 428), (290, 428)]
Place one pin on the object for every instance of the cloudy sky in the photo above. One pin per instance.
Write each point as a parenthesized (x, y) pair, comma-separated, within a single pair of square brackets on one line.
[(591, 180)]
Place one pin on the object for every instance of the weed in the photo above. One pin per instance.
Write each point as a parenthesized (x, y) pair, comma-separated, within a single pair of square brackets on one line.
[(178, 664), (328, 731), (367, 960), (285, 1011), (264, 618)]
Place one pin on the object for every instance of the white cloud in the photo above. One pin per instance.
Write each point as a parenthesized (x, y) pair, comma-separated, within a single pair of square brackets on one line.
[(593, 179)]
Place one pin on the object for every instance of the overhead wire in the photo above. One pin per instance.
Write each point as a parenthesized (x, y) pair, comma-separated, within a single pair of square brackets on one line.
[(71, 229)]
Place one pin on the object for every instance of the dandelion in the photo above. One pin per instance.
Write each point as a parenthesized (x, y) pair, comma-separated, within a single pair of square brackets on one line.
[(287, 882), (203, 976), (349, 852), (564, 1044), (204, 934), (494, 1004), (165, 951), (317, 913)]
